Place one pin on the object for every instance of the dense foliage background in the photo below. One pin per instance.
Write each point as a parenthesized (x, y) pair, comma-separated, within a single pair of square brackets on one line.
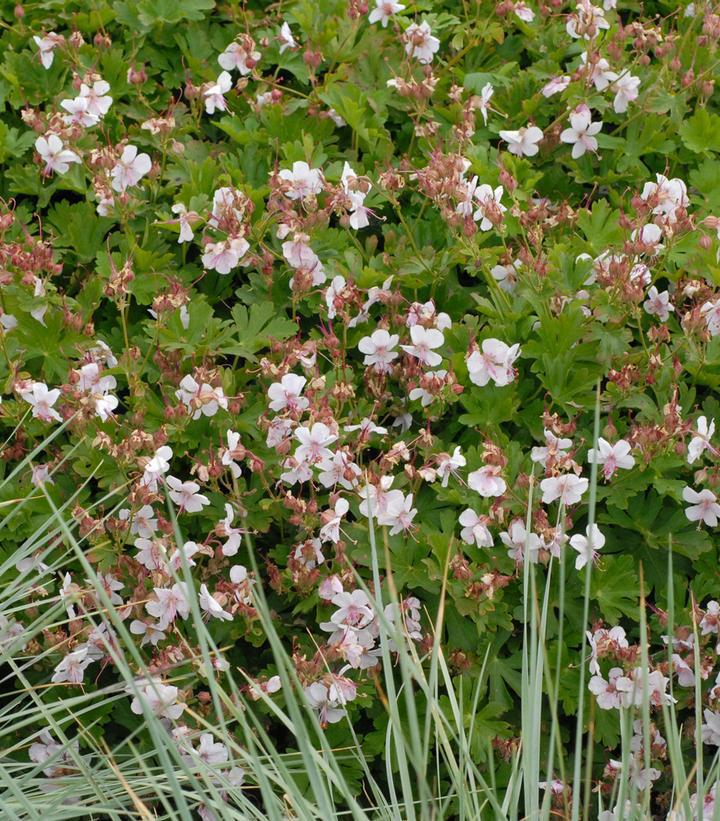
[(270, 269)]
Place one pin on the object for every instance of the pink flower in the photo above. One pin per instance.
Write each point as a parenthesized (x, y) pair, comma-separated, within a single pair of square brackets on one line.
[(379, 350), (587, 546), (474, 530), (168, 604), (42, 401), (582, 131), (424, 341), (420, 43), (523, 143), (313, 443), (285, 394), (487, 481), (555, 86), (225, 255), (303, 181), (47, 46), (613, 693), (568, 488), (383, 11), (214, 94), (704, 507), (611, 457), (238, 56), (211, 606), (130, 168), (701, 440), (56, 157), (658, 304), (493, 362), (185, 495)]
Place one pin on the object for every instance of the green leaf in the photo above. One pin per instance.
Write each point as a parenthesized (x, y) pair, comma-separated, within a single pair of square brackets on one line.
[(615, 587), (701, 132), (257, 327)]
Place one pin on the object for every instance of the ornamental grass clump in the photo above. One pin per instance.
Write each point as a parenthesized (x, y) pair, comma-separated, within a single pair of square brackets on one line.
[(358, 366)]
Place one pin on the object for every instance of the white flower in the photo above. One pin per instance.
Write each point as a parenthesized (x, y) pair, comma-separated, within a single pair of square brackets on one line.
[(215, 93), (232, 534), (523, 143), (658, 304), (568, 488), (581, 134), (42, 401), (330, 532), (506, 275), (448, 465), (339, 469), (130, 168), (555, 86), (517, 540), (650, 236), (186, 496), (626, 88), (613, 693), (157, 467), (353, 610), (554, 446), (711, 728), (313, 443), (666, 195), (420, 43), (366, 427), (96, 95), (710, 312), (47, 46), (523, 11), (285, 38), (424, 341), (319, 698), (211, 606), (56, 157), (493, 362), (72, 667), (185, 221), (159, 698), (611, 457), (701, 440), (487, 481), (600, 73), (309, 553), (587, 21), (704, 507), (383, 11), (105, 405), (202, 400), (587, 546), (237, 56), (489, 207), (398, 513), (356, 195), (474, 530), (77, 109), (304, 181), (168, 604), (379, 350), (333, 294), (285, 394), (482, 103)]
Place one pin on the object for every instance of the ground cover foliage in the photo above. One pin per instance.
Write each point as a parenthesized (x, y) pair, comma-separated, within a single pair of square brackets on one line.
[(359, 370)]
